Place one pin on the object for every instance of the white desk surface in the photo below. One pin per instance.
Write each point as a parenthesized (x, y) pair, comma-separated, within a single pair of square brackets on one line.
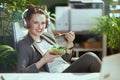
[(50, 76)]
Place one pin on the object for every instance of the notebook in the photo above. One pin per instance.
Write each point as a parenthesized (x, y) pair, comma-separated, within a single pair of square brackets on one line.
[(110, 69)]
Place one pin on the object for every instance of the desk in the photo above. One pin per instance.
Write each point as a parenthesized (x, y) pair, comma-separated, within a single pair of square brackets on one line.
[(50, 76)]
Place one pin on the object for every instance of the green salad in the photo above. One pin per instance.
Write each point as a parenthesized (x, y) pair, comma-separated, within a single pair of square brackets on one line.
[(58, 50)]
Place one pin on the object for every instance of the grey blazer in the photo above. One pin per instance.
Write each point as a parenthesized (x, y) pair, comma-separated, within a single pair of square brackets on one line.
[(28, 55)]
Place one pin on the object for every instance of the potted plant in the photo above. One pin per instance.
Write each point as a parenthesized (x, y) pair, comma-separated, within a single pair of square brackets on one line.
[(110, 26), (10, 11), (8, 59), (4, 23)]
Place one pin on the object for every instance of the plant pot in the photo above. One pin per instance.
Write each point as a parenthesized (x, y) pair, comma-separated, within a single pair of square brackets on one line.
[(92, 45)]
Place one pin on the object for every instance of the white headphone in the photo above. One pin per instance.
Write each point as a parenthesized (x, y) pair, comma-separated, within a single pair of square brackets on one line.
[(23, 18), (48, 17), (25, 23)]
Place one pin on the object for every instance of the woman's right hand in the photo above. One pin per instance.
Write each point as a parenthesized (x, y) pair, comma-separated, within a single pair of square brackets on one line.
[(48, 57), (45, 59)]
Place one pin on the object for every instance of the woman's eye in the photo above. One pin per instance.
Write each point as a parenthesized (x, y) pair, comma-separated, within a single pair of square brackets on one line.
[(35, 22), (43, 23)]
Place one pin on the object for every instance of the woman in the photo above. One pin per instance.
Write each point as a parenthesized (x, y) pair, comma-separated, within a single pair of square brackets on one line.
[(34, 50)]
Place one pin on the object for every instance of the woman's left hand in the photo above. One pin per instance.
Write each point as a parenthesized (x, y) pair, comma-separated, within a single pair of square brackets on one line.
[(70, 36)]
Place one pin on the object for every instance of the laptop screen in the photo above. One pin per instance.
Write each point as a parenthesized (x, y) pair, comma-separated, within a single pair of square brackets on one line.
[(110, 69)]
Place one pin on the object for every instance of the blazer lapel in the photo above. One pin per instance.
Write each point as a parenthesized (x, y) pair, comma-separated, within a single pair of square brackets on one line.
[(38, 49), (48, 40)]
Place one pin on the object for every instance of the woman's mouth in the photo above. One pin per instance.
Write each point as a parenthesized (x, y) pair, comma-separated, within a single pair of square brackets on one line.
[(39, 30)]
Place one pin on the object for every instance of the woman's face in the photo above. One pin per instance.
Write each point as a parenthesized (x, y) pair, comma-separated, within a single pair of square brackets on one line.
[(37, 24)]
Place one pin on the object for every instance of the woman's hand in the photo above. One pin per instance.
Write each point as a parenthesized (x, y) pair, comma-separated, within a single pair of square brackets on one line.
[(45, 59), (48, 57), (70, 36)]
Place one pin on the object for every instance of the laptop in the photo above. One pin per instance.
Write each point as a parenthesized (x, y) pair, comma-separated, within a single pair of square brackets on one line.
[(110, 69)]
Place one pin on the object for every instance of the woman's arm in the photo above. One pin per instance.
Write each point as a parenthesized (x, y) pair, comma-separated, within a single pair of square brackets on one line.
[(45, 59), (24, 59), (70, 36)]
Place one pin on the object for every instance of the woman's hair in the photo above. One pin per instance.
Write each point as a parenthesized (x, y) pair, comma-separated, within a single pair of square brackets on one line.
[(32, 9)]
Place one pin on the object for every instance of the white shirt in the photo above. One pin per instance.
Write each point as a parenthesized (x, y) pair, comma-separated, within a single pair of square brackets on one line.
[(58, 65)]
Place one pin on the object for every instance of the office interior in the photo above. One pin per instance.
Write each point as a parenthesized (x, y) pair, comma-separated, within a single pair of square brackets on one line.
[(79, 16)]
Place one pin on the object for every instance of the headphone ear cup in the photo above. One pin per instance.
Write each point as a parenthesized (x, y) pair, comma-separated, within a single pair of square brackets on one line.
[(48, 22)]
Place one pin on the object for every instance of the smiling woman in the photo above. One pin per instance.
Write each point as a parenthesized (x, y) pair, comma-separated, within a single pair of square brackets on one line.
[(36, 20), (35, 48)]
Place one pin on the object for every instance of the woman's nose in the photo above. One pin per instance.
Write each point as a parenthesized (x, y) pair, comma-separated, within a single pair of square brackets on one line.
[(39, 25)]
